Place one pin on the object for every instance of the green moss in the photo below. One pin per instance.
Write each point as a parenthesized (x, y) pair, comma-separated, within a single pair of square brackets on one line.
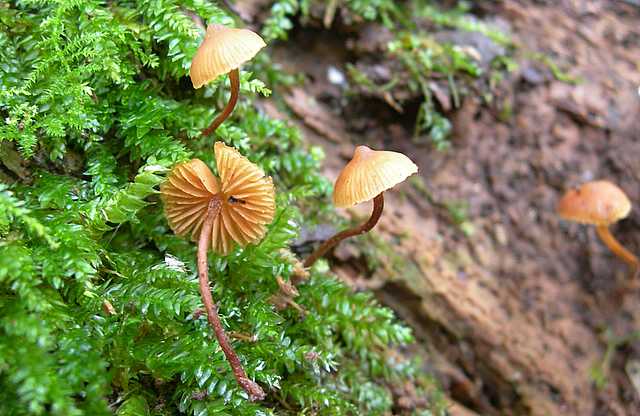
[(557, 72), (97, 296)]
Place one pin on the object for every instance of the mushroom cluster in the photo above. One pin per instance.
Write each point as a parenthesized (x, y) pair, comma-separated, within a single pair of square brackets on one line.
[(235, 208), (218, 214)]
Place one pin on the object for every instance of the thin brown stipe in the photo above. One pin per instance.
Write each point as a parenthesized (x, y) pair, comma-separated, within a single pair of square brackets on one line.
[(622, 253), (234, 79), (378, 206), (254, 391)]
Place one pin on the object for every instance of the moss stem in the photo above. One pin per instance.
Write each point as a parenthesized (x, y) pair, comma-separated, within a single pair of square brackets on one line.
[(625, 255), (254, 391), (234, 79), (378, 205)]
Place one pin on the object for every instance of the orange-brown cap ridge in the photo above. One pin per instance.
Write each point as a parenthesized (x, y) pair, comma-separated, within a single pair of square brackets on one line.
[(596, 203), (369, 173), (223, 50), (247, 199), (186, 194)]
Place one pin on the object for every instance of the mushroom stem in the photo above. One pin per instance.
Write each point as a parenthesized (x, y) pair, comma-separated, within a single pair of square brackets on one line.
[(609, 240), (234, 78), (254, 391), (378, 205)]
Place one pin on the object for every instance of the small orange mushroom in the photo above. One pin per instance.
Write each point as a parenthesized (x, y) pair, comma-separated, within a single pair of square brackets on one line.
[(222, 51), (220, 213), (599, 203), (367, 175)]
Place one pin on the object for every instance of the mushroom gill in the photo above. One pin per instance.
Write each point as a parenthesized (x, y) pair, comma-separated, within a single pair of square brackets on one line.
[(248, 201)]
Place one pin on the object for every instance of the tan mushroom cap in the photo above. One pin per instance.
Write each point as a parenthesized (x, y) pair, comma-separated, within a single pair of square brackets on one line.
[(248, 200), (596, 203), (369, 173), (186, 194), (247, 196), (223, 50)]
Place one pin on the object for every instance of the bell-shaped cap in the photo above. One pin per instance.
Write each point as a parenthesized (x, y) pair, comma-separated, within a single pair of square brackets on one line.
[(223, 50), (369, 173), (597, 203), (247, 199)]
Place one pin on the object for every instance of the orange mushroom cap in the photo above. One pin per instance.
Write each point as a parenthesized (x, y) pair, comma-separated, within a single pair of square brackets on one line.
[(186, 194), (369, 173), (597, 203), (247, 199), (223, 50)]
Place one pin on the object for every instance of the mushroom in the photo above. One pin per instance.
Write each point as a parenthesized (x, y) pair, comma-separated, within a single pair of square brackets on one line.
[(219, 214), (599, 203), (365, 177), (223, 50)]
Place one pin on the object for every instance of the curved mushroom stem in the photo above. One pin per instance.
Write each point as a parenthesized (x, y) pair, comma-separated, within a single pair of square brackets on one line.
[(609, 240), (234, 78), (378, 205), (254, 391)]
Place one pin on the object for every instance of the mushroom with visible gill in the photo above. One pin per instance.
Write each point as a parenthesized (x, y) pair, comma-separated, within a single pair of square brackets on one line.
[(222, 51), (599, 203), (218, 213), (367, 175)]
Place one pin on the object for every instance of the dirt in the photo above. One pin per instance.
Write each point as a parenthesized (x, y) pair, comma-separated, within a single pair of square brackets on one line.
[(513, 316)]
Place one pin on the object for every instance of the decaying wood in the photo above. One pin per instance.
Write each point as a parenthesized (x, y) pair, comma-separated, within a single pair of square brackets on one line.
[(316, 116)]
